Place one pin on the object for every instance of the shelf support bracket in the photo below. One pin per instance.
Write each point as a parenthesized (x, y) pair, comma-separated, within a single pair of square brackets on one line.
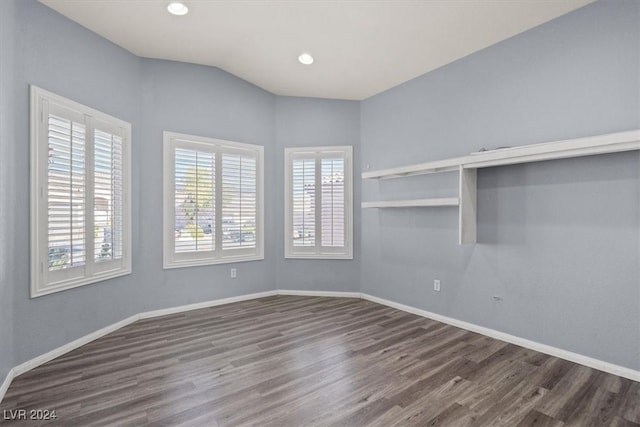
[(468, 201)]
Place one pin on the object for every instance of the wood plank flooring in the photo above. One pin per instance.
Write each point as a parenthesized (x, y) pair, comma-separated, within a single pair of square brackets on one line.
[(311, 361)]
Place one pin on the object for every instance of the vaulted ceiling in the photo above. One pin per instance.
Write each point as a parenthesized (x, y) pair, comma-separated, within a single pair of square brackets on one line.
[(360, 47)]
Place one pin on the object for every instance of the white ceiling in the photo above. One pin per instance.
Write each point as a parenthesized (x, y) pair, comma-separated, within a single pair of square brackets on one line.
[(360, 47)]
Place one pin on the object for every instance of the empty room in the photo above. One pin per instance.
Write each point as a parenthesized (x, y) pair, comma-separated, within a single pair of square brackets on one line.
[(320, 213)]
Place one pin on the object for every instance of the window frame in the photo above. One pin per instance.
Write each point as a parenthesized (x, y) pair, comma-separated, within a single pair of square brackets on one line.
[(173, 140), (318, 251), (43, 282)]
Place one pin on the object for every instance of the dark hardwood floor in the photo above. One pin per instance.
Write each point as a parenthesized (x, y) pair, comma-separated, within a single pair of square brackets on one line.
[(310, 361)]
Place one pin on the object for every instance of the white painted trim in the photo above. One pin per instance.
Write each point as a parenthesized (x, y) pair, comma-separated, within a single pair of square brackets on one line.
[(206, 304), (173, 140), (412, 203), (335, 294), (317, 154), (469, 165), (43, 282), (543, 348), (592, 145), (6, 383), (57, 352), (512, 339), (467, 218)]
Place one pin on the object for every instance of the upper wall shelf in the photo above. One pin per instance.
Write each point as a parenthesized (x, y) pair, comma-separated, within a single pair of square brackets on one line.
[(467, 167), (415, 203), (610, 143)]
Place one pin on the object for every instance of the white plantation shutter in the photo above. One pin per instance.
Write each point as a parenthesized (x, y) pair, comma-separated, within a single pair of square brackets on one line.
[(194, 193), (318, 204), (304, 202), (213, 201), (65, 193), (239, 207), (80, 208), (108, 196), (333, 203)]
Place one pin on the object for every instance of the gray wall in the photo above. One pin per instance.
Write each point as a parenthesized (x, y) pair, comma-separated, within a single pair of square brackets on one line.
[(8, 237), (305, 122), (558, 241), (203, 101), (82, 66)]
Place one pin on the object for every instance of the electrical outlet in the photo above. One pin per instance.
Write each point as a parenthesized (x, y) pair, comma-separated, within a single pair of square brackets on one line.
[(234, 273), (436, 285)]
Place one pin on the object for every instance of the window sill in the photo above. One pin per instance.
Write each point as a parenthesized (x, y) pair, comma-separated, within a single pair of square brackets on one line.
[(76, 283), (319, 256), (167, 265)]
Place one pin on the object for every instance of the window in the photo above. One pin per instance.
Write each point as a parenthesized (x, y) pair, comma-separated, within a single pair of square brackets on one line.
[(80, 194), (318, 205), (212, 201)]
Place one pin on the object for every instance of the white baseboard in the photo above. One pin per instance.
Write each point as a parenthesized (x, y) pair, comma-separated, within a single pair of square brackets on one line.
[(5, 384), (512, 339), (206, 304), (335, 294), (542, 348), (57, 352)]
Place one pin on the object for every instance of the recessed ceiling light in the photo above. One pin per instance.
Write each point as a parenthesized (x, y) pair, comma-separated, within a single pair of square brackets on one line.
[(177, 8), (305, 59)]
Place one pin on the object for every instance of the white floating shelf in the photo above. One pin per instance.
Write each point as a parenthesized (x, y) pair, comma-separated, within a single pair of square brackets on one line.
[(467, 167), (448, 165), (601, 144), (449, 201)]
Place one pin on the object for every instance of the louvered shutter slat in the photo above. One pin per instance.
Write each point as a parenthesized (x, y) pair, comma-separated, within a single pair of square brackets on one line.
[(79, 188), (194, 195), (318, 204), (65, 193), (303, 184), (108, 197), (332, 209), (239, 202)]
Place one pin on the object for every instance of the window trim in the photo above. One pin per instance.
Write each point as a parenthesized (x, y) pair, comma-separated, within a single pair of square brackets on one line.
[(168, 196), (38, 142), (319, 251)]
